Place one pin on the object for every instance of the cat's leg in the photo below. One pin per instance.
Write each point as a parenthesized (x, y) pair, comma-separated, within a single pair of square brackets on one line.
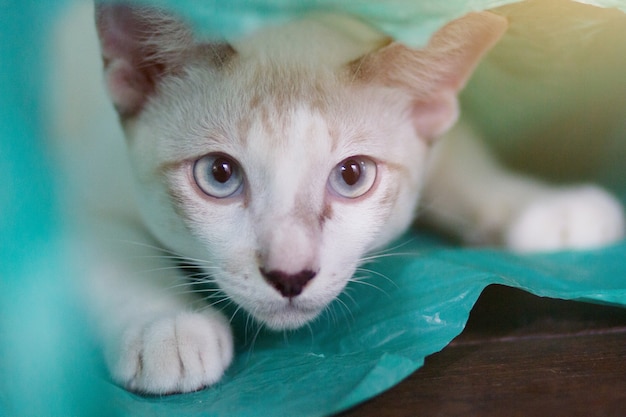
[(468, 194), (157, 338)]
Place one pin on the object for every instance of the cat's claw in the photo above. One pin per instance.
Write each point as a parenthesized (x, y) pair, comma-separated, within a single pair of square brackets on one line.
[(175, 354), (585, 217)]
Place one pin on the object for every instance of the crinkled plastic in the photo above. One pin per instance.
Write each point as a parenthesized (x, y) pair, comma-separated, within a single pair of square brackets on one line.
[(559, 72)]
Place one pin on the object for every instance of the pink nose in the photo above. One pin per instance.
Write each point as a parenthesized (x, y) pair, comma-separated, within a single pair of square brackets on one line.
[(289, 285)]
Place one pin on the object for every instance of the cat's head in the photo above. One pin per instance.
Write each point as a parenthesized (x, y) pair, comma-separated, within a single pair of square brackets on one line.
[(281, 159)]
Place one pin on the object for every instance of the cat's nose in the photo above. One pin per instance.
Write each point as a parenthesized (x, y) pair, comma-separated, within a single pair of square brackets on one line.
[(289, 285)]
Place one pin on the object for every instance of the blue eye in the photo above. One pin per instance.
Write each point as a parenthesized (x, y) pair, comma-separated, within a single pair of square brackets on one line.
[(218, 175), (353, 177)]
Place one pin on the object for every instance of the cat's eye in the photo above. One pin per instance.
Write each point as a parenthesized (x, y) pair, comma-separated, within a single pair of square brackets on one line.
[(353, 177), (218, 175)]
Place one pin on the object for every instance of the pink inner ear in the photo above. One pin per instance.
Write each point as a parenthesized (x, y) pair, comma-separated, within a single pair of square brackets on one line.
[(435, 74), (127, 86), (433, 117), (120, 32), (130, 71)]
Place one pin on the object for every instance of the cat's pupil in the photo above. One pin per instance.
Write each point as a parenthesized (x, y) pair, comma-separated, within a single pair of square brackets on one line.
[(351, 171), (222, 170)]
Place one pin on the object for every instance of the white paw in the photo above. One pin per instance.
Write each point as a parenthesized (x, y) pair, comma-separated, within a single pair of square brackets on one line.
[(578, 218), (174, 354)]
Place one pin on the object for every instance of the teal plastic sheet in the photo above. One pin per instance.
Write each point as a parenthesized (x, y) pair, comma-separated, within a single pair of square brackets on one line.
[(556, 76)]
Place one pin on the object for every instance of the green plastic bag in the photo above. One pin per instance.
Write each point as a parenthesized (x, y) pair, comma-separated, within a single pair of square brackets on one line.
[(558, 73)]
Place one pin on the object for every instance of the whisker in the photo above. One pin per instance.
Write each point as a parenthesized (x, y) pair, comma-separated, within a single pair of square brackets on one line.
[(330, 314), (195, 282), (178, 258), (169, 252), (346, 293), (396, 247), (194, 271), (369, 284), (210, 291), (311, 332), (148, 246), (372, 258), (379, 274), (221, 300), (232, 316), (345, 306), (199, 304), (250, 322), (256, 334), (163, 268)]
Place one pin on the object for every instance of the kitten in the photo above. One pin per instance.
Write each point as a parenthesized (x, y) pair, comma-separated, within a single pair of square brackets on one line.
[(274, 163)]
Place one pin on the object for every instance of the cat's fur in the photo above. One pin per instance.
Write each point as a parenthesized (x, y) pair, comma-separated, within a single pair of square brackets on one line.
[(288, 104)]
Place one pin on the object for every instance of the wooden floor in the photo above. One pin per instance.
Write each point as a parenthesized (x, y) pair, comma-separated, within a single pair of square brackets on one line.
[(520, 355)]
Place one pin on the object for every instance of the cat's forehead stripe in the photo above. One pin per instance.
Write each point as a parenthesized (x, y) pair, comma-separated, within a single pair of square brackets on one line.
[(244, 125)]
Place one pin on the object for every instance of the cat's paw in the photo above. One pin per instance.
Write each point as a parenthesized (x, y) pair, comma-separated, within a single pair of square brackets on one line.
[(174, 354), (578, 218)]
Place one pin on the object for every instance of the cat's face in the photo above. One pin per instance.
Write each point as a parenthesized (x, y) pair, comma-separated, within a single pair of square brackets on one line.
[(285, 176), (279, 169)]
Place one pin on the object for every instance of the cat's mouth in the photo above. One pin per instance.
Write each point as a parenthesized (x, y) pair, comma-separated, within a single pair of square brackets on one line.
[(274, 309), (288, 315)]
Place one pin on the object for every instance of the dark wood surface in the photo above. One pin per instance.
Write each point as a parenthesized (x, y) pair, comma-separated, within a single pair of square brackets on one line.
[(520, 355)]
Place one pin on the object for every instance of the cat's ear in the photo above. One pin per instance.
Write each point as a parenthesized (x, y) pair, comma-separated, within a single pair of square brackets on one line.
[(434, 75), (139, 47)]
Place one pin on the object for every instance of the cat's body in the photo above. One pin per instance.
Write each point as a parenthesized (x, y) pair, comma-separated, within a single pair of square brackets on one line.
[(275, 164)]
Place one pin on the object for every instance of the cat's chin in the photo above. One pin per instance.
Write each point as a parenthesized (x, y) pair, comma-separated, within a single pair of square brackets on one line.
[(287, 317)]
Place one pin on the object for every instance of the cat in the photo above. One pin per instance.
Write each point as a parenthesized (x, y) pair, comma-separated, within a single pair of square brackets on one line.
[(273, 163)]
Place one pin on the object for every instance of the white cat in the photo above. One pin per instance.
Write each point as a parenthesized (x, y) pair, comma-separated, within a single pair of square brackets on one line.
[(274, 163)]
